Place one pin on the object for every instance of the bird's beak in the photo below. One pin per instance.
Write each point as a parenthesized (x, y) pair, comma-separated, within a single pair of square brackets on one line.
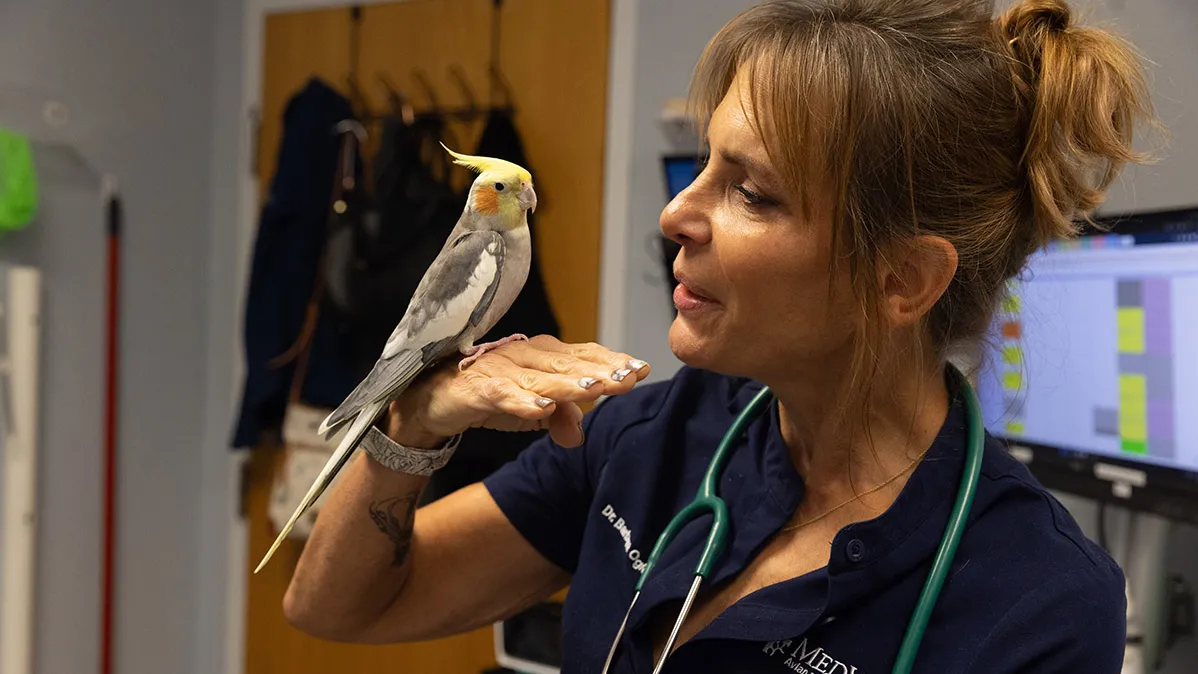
[(528, 197)]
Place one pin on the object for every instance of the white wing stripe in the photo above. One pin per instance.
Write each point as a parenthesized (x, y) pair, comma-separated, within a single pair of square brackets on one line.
[(449, 318)]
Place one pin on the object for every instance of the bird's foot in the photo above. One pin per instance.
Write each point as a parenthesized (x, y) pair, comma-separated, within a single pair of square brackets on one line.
[(475, 352)]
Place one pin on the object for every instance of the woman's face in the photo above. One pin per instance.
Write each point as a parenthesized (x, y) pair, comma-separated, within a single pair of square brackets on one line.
[(753, 294)]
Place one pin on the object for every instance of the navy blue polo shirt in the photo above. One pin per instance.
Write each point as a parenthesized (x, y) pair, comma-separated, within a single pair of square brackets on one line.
[(1027, 591)]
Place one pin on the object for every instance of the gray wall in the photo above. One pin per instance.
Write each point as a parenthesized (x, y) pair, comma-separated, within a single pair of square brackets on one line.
[(670, 36), (218, 501), (139, 77)]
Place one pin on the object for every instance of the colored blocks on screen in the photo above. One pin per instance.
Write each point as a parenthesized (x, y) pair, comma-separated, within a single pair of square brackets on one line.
[(1011, 304), (1160, 426), (1131, 329), (1158, 316), (1135, 446), (1012, 330), (1012, 380), (1106, 421), (1129, 293), (1133, 407), (1015, 427), (1011, 355)]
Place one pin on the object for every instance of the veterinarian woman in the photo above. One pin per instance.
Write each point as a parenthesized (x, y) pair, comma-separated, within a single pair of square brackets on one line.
[(878, 169)]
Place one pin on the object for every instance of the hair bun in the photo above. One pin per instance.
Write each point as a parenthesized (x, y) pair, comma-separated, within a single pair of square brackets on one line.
[(1081, 92), (1032, 17)]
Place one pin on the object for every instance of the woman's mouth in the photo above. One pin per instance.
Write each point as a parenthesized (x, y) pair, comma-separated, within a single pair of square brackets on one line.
[(689, 298)]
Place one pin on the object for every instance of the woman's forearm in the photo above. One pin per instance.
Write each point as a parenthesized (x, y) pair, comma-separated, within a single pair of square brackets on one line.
[(358, 555)]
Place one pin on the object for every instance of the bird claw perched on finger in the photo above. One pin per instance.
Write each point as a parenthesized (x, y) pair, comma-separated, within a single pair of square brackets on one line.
[(475, 352)]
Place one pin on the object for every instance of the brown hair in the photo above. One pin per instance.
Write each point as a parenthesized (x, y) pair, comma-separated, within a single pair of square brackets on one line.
[(932, 116)]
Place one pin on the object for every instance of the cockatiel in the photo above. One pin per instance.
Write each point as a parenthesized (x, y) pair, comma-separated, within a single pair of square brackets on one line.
[(466, 290)]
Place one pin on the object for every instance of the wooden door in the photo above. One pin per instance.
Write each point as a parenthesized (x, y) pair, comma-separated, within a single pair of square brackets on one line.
[(554, 55)]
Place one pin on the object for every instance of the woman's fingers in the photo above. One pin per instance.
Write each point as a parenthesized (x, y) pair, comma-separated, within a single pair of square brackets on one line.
[(557, 376), (588, 364), (501, 394), (565, 426)]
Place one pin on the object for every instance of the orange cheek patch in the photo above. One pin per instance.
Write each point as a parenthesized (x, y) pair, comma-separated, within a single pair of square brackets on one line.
[(486, 201)]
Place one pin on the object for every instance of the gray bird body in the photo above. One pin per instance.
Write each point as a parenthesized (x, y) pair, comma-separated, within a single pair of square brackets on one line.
[(428, 326), (469, 286)]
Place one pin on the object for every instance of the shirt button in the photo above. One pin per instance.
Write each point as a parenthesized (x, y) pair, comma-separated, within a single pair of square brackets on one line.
[(855, 550)]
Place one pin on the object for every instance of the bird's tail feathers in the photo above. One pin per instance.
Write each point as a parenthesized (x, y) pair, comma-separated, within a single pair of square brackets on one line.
[(398, 371), (328, 426), (357, 430)]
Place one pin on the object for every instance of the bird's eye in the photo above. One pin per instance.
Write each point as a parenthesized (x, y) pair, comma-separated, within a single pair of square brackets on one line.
[(498, 187)]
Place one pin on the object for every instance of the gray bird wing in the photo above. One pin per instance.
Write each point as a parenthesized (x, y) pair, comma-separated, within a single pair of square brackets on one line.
[(453, 296)]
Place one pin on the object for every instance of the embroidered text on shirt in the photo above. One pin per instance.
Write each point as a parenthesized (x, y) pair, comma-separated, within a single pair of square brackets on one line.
[(617, 522), (807, 661)]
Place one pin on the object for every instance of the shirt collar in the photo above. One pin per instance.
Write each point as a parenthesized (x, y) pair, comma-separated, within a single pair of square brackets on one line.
[(927, 492), (867, 556)]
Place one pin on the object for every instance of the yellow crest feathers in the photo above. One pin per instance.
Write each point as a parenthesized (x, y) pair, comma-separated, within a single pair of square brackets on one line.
[(488, 164)]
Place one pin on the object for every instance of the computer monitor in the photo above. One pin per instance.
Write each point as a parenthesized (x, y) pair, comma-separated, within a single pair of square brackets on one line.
[(1090, 374), (531, 641), (678, 171)]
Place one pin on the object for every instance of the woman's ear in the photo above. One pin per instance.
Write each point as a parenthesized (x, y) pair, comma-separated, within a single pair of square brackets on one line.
[(914, 277)]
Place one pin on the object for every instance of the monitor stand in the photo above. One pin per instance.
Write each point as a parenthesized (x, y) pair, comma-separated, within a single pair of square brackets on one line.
[(1140, 549)]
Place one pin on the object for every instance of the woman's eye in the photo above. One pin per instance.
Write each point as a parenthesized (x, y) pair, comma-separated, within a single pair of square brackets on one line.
[(754, 199)]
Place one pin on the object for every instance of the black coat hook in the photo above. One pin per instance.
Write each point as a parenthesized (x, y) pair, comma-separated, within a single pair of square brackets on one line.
[(459, 77), (396, 100), (499, 82), (427, 87), (357, 98)]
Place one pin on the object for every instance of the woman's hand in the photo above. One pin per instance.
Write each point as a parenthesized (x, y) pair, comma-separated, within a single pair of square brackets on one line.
[(520, 386)]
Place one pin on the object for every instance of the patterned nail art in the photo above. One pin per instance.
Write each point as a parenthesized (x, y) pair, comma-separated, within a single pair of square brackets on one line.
[(543, 402), (637, 364), (619, 375), (587, 382)]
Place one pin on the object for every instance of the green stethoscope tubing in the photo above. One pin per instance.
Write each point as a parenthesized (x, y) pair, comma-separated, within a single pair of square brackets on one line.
[(952, 534), (707, 501)]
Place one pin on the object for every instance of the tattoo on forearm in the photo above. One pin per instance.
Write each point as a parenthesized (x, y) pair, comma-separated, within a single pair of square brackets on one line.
[(395, 517)]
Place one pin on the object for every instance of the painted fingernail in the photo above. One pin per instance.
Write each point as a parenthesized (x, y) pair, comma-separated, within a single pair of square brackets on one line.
[(619, 375), (543, 402), (587, 382), (637, 364)]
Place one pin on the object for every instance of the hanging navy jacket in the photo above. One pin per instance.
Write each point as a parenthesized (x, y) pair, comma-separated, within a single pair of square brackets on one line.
[(291, 234)]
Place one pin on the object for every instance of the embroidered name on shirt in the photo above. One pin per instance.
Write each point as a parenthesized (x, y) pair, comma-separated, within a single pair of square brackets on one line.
[(621, 528), (806, 660)]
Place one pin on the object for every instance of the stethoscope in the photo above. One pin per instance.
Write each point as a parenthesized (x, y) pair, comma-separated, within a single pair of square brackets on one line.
[(707, 501)]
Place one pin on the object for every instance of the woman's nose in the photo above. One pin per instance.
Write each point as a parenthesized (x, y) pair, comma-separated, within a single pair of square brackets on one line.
[(685, 221)]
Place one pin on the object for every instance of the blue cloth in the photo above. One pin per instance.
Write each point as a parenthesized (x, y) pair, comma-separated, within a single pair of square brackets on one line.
[(291, 234), (1027, 592)]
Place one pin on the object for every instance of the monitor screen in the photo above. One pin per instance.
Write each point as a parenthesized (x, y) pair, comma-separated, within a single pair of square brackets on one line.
[(680, 170), (1094, 350)]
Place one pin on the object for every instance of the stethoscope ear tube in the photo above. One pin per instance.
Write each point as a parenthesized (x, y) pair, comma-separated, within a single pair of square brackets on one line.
[(707, 499), (952, 532)]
